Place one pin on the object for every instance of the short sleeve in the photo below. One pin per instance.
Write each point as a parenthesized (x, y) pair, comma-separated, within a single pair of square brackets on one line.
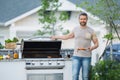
[(94, 36), (73, 30)]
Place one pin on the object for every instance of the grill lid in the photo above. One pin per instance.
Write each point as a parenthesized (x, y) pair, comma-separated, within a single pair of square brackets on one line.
[(41, 49)]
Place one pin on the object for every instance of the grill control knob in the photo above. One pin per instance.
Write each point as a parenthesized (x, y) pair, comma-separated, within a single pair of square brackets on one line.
[(28, 63), (58, 63), (41, 63), (33, 63), (49, 63)]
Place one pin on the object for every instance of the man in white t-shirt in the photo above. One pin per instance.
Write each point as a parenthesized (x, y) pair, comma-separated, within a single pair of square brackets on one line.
[(83, 36)]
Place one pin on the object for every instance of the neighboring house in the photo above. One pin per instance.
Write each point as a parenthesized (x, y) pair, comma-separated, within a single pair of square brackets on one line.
[(19, 18)]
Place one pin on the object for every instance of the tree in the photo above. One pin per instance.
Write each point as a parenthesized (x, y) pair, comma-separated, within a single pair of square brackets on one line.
[(108, 11), (48, 17)]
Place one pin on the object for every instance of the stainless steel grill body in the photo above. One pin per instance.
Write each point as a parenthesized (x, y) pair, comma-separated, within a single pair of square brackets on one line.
[(43, 60)]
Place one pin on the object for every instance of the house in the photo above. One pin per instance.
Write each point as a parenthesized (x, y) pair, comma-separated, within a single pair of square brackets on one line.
[(19, 18), (12, 12)]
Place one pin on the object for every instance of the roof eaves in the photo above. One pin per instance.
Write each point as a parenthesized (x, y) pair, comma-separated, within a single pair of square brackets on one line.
[(20, 17)]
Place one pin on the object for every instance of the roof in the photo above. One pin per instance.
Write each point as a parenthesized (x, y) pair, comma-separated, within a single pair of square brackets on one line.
[(81, 1), (13, 10), (10, 9)]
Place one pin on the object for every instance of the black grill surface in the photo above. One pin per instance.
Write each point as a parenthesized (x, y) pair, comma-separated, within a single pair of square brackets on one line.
[(41, 49)]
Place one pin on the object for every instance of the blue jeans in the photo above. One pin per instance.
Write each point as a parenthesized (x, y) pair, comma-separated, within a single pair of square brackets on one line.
[(80, 62)]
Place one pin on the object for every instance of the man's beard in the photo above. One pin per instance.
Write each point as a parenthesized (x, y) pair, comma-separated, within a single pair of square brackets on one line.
[(83, 23)]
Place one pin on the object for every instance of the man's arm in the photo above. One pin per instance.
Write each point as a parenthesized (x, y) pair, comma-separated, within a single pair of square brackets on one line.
[(64, 37), (95, 41)]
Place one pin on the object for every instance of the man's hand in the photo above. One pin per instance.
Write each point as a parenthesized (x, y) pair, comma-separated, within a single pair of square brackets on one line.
[(91, 48)]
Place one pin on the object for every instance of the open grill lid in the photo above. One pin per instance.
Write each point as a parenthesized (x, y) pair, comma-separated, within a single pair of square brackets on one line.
[(41, 49)]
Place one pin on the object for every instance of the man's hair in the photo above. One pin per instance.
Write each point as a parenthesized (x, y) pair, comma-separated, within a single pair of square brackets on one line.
[(83, 14)]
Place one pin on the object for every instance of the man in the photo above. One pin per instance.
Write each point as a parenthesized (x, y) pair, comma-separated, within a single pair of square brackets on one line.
[(82, 52)]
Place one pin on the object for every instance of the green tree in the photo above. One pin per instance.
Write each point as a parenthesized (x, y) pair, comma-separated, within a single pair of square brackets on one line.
[(108, 11), (48, 17)]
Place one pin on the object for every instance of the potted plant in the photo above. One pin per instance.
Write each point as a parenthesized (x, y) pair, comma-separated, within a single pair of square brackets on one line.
[(11, 43)]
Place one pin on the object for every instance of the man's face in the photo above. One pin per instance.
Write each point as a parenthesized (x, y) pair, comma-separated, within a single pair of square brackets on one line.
[(83, 20)]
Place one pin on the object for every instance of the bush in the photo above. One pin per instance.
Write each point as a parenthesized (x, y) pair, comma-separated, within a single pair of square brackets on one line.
[(105, 70)]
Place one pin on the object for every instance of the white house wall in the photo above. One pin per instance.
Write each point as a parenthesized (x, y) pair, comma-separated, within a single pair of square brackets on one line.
[(32, 22), (29, 22), (4, 34)]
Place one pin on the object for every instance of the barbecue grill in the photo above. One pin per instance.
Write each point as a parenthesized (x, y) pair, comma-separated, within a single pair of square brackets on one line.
[(41, 49), (43, 60)]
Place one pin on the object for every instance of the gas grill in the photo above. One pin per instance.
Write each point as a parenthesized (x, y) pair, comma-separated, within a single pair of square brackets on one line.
[(41, 49), (42, 54), (44, 61)]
